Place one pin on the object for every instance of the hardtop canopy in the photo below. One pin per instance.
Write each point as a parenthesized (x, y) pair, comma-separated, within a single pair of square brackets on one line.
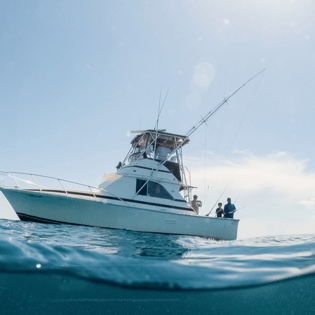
[(164, 139)]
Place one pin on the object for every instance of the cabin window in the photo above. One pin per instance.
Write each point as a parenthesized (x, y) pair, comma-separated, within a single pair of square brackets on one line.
[(152, 189), (144, 189)]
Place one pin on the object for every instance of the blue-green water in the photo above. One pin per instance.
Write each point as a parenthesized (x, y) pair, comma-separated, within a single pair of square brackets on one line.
[(58, 269)]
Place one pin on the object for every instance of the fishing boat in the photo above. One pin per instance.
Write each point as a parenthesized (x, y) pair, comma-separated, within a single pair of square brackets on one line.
[(148, 193)]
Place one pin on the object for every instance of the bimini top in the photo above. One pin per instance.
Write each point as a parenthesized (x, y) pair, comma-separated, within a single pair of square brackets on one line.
[(163, 139)]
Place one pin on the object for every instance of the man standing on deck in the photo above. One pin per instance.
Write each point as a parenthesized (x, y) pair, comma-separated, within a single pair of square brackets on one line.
[(229, 209), (196, 204)]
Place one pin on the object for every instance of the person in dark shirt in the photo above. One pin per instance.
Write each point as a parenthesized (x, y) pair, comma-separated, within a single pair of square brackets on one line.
[(219, 212), (229, 209)]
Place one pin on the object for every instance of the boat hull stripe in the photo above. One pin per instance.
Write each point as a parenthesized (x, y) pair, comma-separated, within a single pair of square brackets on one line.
[(115, 198)]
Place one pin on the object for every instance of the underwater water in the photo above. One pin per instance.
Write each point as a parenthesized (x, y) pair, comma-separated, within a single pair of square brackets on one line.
[(58, 269)]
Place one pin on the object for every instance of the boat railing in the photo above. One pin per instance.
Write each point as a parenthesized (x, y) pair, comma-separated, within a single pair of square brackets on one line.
[(17, 180)]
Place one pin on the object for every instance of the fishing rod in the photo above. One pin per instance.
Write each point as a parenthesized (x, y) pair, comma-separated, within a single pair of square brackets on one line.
[(205, 118), (239, 209), (217, 201), (158, 117)]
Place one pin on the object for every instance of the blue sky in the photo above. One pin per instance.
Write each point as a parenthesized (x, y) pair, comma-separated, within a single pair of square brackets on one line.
[(77, 76)]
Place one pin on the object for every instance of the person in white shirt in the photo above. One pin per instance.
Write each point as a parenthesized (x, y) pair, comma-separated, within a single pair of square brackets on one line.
[(196, 204)]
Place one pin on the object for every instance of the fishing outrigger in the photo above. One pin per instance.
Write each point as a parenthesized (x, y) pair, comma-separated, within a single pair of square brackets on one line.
[(148, 193)]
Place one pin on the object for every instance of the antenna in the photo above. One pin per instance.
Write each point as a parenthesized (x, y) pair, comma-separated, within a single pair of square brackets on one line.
[(205, 118), (158, 116), (160, 109)]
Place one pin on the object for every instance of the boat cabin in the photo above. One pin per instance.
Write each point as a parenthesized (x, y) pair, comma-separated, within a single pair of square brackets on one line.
[(152, 168)]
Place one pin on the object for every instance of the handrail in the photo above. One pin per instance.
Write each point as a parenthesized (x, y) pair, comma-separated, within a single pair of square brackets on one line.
[(59, 180), (189, 175), (36, 183)]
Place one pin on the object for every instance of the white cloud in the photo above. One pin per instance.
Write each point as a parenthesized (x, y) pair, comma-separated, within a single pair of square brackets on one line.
[(309, 204), (308, 228), (276, 189), (251, 228), (279, 172)]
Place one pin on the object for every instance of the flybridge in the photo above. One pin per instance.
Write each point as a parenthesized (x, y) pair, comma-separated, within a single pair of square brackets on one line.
[(157, 145)]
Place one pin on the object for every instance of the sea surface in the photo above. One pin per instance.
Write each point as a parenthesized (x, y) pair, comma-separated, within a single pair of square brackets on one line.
[(59, 269)]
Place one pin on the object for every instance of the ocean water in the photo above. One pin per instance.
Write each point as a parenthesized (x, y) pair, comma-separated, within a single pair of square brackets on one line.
[(59, 269)]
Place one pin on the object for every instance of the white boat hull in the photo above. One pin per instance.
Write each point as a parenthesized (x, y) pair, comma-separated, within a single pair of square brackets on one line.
[(56, 208)]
